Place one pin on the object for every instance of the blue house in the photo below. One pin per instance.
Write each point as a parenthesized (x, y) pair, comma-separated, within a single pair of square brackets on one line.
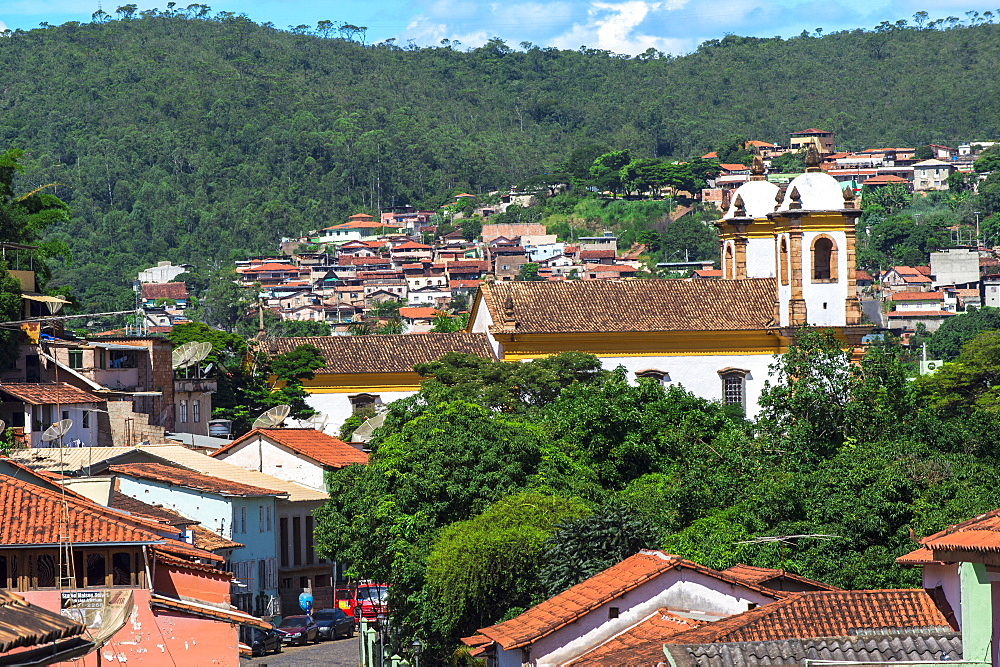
[(239, 512)]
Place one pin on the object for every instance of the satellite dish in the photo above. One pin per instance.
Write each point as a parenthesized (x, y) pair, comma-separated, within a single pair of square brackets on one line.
[(57, 430), (199, 351), (273, 418), (181, 357), (317, 421), (3, 426), (365, 432), (55, 306)]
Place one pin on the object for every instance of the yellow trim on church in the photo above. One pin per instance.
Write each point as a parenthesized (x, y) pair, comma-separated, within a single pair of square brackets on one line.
[(520, 346), (354, 383)]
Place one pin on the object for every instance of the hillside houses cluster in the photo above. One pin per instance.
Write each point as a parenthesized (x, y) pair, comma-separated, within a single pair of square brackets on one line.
[(377, 262), (873, 167)]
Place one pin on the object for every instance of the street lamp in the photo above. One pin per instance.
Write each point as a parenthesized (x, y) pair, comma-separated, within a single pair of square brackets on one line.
[(977, 226), (415, 648)]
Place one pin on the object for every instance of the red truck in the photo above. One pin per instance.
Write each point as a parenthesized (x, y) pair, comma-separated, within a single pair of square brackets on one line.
[(372, 602), (343, 599)]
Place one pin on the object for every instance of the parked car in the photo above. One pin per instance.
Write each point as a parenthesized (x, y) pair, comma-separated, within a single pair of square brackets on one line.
[(298, 629), (344, 600), (260, 641), (333, 623), (373, 602)]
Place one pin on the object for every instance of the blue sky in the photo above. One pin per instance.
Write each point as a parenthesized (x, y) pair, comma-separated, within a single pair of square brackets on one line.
[(622, 26)]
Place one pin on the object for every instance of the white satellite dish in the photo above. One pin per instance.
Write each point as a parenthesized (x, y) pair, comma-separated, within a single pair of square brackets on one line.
[(57, 430), (3, 426), (365, 432), (55, 306), (273, 418), (317, 421), (190, 353)]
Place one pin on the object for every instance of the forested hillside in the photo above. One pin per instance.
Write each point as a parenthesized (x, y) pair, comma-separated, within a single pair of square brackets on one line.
[(197, 139)]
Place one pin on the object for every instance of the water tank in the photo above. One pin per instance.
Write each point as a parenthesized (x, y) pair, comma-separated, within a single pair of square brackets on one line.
[(220, 428)]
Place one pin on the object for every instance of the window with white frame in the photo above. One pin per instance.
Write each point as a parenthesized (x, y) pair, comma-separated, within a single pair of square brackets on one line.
[(196, 411), (734, 386), (184, 412)]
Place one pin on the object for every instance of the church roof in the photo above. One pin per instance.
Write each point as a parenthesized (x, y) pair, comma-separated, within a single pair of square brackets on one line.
[(631, 305)]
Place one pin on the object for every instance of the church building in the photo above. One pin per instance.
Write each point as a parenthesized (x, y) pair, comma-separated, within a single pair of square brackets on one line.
[(787, 256)]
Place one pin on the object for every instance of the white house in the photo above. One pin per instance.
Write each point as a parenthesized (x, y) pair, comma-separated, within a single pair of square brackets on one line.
[(586, 615), (300, 455)]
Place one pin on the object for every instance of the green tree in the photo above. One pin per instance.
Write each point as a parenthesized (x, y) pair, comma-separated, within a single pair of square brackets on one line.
[(479, 569), (733, 151), (529, 272), (225, 303), (581, 547), (959, 182), (792, 162), (955, 332), (804, 401), (606, 170), (988, 161), (971, 381), (298, 328)]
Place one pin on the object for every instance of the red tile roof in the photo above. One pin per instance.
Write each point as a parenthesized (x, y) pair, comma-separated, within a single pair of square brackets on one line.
[(822, 614), (258, 268), (164, 291), (388, 353), (762, 575), (597, 254), (862, 275), (921, 556), (47, 393), (921, 313), (707, 273), (578, 601), (29, 510), (193, 480), (812, 130), (418, 312), (917, 296), (631, 305), (978, 534), (463, 284), (203, 537), (885, 178), (313, 444), (411, 245), (732, 167), (25, 624), (632, 646)]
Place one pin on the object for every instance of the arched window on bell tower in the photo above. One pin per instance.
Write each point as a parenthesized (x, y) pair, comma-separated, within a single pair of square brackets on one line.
[(729, 263), (824, 259)]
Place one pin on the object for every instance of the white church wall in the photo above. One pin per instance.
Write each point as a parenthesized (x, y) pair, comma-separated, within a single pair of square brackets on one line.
[(699, 374), (760, 258), (825, 301), (337, 406)]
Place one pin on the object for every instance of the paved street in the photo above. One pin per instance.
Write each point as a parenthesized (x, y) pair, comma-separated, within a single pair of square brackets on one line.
[(339, 653)]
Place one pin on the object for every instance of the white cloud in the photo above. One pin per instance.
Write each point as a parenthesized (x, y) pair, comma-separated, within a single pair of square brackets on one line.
[(613, 27), (3, 26)]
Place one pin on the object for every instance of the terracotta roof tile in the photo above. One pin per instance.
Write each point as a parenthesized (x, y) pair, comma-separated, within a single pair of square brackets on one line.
[(418, 312), (921, 313), (917, 296), (46, 393), (387, 353), (823, 614), (203, 537), (921, 556), (316, 445), (25, 624), (597, 254), (28, 521), (762, 575), (981, 533), (632, 646), (579, 600), (193, 480), (633, 305), (164, 291)]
